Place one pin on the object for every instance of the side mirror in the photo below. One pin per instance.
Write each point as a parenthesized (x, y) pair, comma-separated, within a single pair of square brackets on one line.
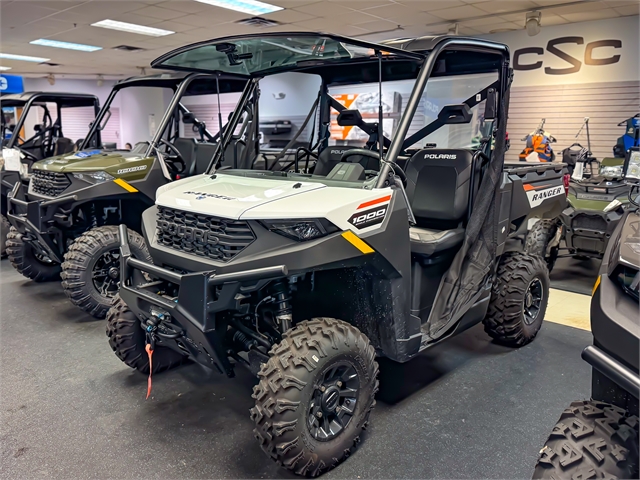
[(455, 114), (491, 107), (631, 167), (37, 128), (349, 118), (188, 118)]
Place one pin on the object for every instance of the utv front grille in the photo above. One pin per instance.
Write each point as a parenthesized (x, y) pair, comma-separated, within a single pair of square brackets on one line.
[(207, 236), (50, 184), (589, 222)]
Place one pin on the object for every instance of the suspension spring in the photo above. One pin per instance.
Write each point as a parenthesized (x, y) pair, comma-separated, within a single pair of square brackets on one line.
[(282, 304)]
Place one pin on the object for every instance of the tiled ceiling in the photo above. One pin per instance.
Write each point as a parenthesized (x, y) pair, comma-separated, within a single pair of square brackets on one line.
[(22, 21)]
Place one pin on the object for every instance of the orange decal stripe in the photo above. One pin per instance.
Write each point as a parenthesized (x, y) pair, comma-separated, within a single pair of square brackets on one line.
[(374, 202), (528, 187)]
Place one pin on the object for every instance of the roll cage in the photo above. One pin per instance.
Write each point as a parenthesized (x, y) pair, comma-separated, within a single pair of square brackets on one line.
[(348, 61), (50, 128)]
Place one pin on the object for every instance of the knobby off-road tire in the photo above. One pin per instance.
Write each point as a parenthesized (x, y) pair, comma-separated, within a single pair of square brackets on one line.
[(538, 239), (84, 254), (25, 260), (290, 382), (127, 339), (592, 440), (5, 226), (510, 318)]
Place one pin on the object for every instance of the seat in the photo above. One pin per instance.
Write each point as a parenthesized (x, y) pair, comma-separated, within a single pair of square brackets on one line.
[(62, 145), (187, 148), (438, 188), (329, 158), (426, 242), (204, 154)]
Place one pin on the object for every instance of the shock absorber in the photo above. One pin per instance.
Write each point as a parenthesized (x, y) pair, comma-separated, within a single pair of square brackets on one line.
[(282, 305)]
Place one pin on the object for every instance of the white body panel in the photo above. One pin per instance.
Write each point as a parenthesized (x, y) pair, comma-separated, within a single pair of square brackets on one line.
[(235, 197)]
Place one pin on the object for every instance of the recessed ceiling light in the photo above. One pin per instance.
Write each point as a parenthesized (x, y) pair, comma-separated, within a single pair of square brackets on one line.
[(254, 7), (24, 58), (132, 28), (4, 68), (70, 46)]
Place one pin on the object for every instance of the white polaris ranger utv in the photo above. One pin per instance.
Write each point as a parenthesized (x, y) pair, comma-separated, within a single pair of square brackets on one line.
[(384, 246)]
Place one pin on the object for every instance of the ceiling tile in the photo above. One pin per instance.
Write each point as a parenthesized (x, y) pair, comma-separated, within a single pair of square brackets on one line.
[(501, 6), (628, 10), (621, 3), (366, 4), (322, 9), (185, 6), (582, 7), (497, 25), (134, 18), (106, 9), (293, 3), (378, 26), (402, 14), (319, 24), (18, 13), (432, 5), (174, 26), (289, 16), (221, 16), (159, 13), (458, 13), (593, 15)]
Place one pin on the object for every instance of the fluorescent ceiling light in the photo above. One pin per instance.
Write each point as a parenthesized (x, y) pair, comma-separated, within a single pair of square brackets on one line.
[(70, 46), (24, 58), (254, 7), (132, 28), (4, 68)]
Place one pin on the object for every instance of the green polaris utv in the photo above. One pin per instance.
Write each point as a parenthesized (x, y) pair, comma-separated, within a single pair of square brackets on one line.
[(32, 125), (597, 199), (64, 223)]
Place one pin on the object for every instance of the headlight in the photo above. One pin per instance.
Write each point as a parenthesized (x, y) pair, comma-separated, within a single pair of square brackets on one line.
[(633, 170), (94, 178), (611, 173), (301, 230)]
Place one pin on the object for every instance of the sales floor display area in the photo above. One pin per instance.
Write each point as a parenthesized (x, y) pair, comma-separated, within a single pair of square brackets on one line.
[(468, 408)]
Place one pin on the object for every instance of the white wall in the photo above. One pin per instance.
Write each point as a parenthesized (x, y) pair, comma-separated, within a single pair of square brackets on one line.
[(300, 91), (625, 31), (137, 104)]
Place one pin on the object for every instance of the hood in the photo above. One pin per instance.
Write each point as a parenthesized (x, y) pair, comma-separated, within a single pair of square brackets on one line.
[(88, 160), (228, 196)]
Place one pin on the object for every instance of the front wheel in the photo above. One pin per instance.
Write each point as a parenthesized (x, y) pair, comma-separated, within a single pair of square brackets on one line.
[(315, 395), (518, 299), (5, 226), (591, 440), (27, 261), (91, 268)]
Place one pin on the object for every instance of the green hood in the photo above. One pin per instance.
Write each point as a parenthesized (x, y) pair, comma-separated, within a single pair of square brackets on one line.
[(597, 205), (612, 162), (117, 163)]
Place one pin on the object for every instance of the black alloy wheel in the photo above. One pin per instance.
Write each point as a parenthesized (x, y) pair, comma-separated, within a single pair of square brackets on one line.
[(533, 301), (334, 401), (106, 273)]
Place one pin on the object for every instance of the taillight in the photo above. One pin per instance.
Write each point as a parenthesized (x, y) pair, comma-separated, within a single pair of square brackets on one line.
[(566, 178)]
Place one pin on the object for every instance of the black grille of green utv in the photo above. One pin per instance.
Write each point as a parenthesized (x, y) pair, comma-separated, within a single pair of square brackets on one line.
[(589, 222), (50, 184), (206, 236)]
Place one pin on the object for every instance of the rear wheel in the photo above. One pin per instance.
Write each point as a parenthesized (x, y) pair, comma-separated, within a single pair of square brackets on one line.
[(91, 268), (518, 299), (5, 226), (591, 440), (127, 339), (28, 262), (540, 239), (315, 395)]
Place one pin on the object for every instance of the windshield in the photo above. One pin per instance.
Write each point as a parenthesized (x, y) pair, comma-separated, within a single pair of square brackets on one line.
[(259, 55)]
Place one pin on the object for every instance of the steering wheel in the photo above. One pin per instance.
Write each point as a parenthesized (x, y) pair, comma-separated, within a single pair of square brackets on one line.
[(176, 162), (308, 153)]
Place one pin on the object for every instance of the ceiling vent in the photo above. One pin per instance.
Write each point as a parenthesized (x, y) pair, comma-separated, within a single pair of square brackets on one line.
[(49, 64), (128, 48), (258, 22)]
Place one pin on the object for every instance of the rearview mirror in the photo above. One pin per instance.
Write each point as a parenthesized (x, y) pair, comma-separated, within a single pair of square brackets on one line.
[(491, 106), (455, 114), (631, 167)]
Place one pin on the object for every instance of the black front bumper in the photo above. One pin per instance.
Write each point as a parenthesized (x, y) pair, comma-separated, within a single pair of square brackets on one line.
[(35, 220), (586, 232), (200, 297)]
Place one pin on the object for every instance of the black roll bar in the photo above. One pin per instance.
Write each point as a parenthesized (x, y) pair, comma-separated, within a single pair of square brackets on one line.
[(421, 82)]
